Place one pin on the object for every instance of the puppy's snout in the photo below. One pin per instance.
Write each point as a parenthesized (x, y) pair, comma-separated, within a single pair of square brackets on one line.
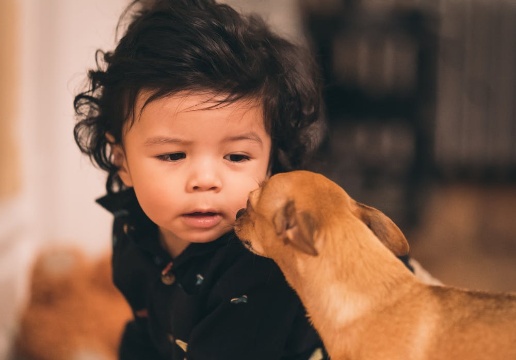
[(240, 213)]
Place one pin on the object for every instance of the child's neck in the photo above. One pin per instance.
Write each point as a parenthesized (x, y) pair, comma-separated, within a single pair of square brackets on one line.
[(173, 245)]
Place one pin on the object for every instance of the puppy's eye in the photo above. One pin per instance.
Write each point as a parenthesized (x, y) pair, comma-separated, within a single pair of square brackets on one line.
[(240, 213), (172, 156)]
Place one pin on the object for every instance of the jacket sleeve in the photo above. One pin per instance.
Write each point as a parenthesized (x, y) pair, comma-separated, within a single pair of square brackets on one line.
[(253, 314)]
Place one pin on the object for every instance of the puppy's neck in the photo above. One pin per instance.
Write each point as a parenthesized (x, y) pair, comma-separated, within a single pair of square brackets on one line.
[(346, 281)]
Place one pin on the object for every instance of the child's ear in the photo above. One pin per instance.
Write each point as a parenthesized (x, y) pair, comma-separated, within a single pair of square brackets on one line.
[(120, 160)]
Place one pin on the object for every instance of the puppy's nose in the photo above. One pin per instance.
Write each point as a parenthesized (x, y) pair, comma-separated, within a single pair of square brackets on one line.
[(240, 213)]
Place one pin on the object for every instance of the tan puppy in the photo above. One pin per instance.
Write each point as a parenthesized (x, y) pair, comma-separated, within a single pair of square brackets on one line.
[(338, 255)]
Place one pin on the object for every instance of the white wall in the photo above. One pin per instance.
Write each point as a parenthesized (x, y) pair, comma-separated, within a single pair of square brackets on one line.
[(59, 41), (56, 203)]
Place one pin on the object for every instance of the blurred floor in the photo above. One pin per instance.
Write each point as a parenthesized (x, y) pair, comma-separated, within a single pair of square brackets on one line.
[(467, 236)]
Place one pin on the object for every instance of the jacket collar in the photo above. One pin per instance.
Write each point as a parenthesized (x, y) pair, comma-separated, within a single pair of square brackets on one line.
[(146, 232), (120, 201)]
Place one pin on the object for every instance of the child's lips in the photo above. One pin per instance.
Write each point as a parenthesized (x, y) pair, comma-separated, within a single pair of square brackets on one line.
[(202, 219)]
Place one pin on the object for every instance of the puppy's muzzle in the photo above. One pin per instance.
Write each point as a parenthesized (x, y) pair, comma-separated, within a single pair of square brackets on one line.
[(246, 243)]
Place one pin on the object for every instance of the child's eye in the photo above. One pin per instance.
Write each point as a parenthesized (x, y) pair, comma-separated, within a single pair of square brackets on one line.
[(172, 157), (237, 157)]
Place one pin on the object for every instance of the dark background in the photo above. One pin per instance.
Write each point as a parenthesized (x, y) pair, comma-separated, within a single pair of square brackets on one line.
[(421, 112)]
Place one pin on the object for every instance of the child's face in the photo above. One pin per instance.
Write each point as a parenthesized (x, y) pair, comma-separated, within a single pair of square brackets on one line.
[(192, 168)]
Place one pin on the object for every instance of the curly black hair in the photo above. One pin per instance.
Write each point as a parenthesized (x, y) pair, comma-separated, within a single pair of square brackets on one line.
[(170, 46)]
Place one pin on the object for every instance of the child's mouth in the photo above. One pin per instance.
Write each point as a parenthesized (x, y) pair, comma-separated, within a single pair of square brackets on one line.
[(201, 214), (200, 219)]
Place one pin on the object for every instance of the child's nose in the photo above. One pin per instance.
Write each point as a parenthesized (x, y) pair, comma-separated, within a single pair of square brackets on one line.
[(204, 179)]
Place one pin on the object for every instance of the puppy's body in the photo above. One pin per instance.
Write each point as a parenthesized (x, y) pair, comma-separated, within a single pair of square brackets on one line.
[(362, 300)]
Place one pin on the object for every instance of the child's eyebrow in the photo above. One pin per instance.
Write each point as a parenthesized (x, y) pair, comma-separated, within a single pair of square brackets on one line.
[(159, 140), (252, 136)]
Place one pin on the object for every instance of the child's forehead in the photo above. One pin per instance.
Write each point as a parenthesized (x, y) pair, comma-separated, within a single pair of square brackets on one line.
[(185, 101), (188, 104)]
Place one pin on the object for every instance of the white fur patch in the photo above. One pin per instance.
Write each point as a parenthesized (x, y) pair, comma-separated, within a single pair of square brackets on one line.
[(346, 306), (336, 301), (89, 354), (421, 338)]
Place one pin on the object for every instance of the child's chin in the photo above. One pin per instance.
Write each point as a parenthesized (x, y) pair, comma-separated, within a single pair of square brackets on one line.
[(207, 237)]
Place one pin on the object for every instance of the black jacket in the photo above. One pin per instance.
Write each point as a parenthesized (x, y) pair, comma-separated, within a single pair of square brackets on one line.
[(214, 301)]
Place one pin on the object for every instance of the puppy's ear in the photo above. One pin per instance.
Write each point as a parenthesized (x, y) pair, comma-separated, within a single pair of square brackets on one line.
[(384, 229), (296, 228)]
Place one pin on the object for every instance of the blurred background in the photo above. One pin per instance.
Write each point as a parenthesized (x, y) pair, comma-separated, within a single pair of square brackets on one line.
[(420, 108)]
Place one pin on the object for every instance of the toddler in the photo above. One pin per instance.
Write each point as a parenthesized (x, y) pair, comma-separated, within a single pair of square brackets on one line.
[(193, 109)]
